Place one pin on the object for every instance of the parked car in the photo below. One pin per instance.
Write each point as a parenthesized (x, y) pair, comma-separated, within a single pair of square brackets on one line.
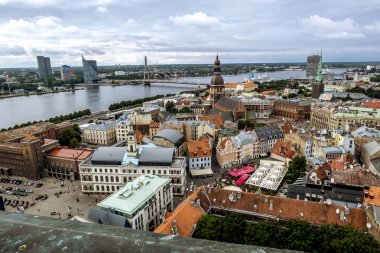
[(22, 190), (29, 191), (14, 203), (26, 204), (8, 202), (21, 203), (39, 185), (24, 194), (9, 192), (8, 189), (30, 183)]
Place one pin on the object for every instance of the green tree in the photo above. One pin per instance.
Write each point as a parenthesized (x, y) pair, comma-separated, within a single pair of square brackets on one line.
[(208, 227), (292, 95), (296, 169), (170, 107), (74, 143), (233, 228), (68, 134)]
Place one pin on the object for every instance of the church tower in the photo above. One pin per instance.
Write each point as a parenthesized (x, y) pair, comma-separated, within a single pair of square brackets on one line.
[(318, 87), (131, 144), (217, 83)]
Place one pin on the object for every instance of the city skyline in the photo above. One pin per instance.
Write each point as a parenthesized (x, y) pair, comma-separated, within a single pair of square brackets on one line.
[(114, 32)]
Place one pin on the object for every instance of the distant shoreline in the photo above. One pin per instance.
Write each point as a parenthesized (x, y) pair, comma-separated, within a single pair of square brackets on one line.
[(36, 94)]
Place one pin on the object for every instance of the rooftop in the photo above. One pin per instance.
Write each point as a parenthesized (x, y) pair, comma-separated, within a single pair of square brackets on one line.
[(135, 194), (200, 148), (184, 217), (170, 134), (25, 131), (69, 153), (109, 155), (283, 208), (156, 154), (102, 127)]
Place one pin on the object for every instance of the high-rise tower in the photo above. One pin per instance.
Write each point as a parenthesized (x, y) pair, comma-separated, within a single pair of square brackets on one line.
[(90, 71), (217, 83), (44, 67)]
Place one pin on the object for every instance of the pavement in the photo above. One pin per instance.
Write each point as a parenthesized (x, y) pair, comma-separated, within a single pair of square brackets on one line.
[(70, 201)]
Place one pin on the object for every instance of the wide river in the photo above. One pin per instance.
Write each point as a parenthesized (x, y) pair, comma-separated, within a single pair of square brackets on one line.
[(18, 110)]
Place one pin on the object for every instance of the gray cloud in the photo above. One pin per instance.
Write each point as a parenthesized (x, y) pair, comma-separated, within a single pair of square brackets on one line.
[(116, 31), (6, 50)]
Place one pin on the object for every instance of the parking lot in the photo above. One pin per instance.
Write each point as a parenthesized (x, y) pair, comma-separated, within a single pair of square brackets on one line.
[(46, 197)]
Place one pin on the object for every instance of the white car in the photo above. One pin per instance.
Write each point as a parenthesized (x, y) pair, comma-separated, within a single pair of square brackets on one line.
[(29, 191)]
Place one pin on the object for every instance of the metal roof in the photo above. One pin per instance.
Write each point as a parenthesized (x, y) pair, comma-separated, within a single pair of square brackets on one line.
[(170, 134), (102, 127), (109, 154), (135, 194), (156, 154)]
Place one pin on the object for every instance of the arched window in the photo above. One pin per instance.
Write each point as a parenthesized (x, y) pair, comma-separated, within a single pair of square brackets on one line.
[(108, 188), (102, 188), (97, 188)]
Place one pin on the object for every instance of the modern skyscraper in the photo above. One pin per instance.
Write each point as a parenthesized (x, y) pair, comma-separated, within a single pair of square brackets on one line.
[(318, 87), (90, 71), (312, 66), (66, 72), (44, 67), (217, 83)]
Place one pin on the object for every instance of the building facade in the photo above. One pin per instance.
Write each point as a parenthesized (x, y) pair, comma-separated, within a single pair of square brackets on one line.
[(109, 168), (296, 110), (64, 162), (90, 71), (257, 108), (44, 67), (268, 136), (24, 159), (199, 157), (142, 202), (66, 72), (102, 134)]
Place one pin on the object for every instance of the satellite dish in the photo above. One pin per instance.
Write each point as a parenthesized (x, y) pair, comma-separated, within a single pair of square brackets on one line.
[(369, 225), (329, 202), (337, 211)]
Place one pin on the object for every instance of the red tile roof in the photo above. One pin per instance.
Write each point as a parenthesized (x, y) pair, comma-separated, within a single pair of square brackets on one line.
[(216, 119), (69, 153), (372, 104), (283, 208), (185, 216), (200, 148), (284, 149)]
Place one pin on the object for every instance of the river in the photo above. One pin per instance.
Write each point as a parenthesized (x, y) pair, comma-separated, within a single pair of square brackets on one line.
[(18, 110)]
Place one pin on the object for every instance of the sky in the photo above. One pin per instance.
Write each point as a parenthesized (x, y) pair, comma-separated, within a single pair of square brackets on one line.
[(176, 32)]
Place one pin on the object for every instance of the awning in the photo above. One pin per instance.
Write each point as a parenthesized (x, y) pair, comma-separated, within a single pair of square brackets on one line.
[(201, 172), (241, 171)]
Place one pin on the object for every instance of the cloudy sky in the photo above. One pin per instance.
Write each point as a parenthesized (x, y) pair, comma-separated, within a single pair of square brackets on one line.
[(179, 31)]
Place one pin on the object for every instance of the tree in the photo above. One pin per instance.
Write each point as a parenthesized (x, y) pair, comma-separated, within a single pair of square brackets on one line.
[(68, 134), (208, 228), (292, 95), (233, 228), (170, 107), (296, 169), (74, 143)]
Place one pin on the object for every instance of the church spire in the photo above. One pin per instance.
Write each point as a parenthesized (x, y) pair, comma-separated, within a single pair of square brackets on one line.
[(319, 77)]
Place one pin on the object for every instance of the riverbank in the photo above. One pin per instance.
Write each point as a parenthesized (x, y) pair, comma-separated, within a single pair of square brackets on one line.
[(38, 93)]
